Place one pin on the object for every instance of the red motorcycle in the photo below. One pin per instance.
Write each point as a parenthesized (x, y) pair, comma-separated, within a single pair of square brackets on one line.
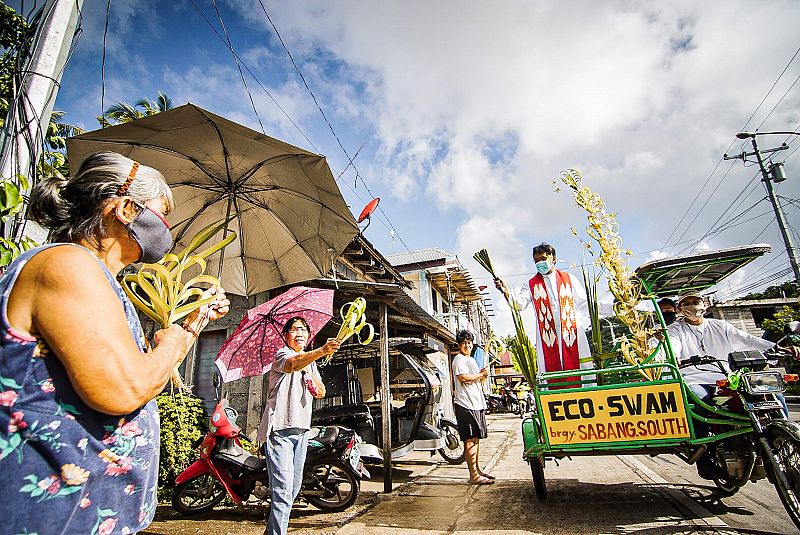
[(331, 476)]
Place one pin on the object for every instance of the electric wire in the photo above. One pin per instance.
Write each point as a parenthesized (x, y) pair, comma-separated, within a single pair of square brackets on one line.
[(330, 126), (238, 67), (250, 72), (103, 66), (285, 113), (713, 171)]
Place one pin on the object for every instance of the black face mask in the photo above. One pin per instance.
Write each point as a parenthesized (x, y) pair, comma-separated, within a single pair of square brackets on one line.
[(669, 317)]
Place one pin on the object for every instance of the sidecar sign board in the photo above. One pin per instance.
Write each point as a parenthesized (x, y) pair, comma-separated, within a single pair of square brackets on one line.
[(649, 412)]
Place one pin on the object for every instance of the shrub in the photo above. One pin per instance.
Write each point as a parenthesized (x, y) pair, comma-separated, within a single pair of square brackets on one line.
[(183, 420)]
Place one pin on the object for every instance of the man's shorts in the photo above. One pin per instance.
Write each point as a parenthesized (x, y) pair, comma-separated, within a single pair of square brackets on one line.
[(471, 423)]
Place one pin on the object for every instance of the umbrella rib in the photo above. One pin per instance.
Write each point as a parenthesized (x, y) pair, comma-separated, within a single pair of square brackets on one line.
[(296, 194), (192, 219), (221, 142), (165, 150), (250, 172), (288, 231)]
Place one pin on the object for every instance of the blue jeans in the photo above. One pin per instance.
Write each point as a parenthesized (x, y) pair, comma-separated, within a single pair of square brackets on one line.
[(286, 455)]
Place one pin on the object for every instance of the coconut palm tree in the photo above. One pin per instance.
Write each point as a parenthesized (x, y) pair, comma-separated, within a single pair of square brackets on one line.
[(122, 112)]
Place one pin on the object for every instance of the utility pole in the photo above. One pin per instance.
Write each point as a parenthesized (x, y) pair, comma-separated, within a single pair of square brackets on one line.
[(40, 77), (791, 250)]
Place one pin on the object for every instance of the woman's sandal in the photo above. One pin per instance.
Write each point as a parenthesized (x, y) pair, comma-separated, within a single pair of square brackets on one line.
[(481, 480), (488, 476)]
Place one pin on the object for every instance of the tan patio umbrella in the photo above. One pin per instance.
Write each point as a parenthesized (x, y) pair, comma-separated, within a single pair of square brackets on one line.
[(292, 220)]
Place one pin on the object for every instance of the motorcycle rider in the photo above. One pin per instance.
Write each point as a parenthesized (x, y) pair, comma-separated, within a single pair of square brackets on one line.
[(694, 335)]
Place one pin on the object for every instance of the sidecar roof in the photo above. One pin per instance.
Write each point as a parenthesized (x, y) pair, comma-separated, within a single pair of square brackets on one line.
[(697, 271)]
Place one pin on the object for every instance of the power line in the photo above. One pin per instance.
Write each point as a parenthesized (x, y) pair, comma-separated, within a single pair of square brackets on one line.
[(767, 279), (705, 183), (383, 220), (325, 118), (725, 211), (238, 67)]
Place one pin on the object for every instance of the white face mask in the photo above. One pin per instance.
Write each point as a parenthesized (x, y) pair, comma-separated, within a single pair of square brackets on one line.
[(693, 312)]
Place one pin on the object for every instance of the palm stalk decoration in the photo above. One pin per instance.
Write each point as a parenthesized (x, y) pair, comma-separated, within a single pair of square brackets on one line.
[(158, 289), (354, 320), (494, 348), (604, 229), (590, 283), (522, 351)]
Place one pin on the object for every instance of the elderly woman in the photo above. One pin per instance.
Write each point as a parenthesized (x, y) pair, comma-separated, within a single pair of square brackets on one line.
[(79, 430), (293, 383)]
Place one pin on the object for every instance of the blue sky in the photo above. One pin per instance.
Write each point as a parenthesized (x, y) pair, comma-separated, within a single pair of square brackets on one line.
[(467, 111)]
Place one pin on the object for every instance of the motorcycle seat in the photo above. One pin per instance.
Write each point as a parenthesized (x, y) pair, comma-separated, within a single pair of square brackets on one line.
[(325, 435), (233, 453)]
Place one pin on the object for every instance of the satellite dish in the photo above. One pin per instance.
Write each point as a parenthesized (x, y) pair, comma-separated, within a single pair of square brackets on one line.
[(366, 213)]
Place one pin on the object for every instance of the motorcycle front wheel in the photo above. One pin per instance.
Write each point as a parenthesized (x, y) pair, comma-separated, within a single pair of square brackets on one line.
[(453, 450), (197, 495), (787, 455), (339, 487)]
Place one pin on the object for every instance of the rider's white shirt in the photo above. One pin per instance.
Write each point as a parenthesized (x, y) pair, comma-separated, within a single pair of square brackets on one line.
[(712, 337)]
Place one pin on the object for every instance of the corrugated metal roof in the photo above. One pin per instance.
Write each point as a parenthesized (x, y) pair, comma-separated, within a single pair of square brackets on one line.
[(415, 257)]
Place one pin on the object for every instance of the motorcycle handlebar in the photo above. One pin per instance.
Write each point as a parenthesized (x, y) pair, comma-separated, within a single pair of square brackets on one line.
[(698, 359)]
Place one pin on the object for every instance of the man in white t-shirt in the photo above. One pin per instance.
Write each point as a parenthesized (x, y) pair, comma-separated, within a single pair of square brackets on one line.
[(470, 405)]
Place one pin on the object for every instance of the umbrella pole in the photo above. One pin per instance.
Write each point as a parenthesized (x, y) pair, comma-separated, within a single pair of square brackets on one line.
[(386, 417), (225, 234)]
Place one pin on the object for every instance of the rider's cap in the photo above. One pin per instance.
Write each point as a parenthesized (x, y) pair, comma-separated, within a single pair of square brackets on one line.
[(689, 294)]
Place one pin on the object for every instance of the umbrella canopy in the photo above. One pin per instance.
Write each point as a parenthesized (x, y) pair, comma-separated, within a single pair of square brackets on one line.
[(291, 221), (250, 350)]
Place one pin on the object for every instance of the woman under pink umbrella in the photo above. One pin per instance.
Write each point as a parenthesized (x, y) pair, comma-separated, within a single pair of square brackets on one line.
[(294, 381)]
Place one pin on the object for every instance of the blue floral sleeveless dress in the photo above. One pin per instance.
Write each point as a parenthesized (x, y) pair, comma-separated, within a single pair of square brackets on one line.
[(64, 467)]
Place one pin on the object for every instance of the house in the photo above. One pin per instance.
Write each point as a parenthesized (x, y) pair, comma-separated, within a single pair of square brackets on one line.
[(360, 271), (441, 285), (749, 314)]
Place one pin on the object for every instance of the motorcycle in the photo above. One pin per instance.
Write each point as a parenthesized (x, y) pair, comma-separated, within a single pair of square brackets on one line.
[(331, 475), (772, 449), (505, 401)]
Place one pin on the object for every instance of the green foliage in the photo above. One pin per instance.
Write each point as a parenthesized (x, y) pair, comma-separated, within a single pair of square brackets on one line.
[(122, 112), (590, 282), (787, 289), (182, 421), (781, 319), (14, 34)]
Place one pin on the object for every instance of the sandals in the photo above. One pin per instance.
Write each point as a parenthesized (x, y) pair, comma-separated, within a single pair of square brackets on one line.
[(488, 476), (481, 480)]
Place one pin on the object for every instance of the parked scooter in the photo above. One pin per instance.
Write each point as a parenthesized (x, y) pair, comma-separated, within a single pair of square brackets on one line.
[(453, 449), (504, 401), (331, 476)]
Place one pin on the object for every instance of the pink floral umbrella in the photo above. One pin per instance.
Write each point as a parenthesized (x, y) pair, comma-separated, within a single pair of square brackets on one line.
[(250, 350)]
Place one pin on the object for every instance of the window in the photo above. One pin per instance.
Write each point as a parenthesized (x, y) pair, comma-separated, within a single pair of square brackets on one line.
[(434, 300)]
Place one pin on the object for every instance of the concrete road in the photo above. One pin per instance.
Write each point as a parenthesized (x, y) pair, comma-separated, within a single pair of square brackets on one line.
[(592, 495), (609, 494)]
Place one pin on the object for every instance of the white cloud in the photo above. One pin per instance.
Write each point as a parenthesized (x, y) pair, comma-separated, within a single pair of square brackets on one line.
[(469, 110)]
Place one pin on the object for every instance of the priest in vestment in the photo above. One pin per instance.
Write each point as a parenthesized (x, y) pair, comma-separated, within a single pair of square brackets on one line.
[(556, 296)]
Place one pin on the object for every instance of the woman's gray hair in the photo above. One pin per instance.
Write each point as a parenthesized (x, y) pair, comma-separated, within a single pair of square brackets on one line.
[(73, 209)]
